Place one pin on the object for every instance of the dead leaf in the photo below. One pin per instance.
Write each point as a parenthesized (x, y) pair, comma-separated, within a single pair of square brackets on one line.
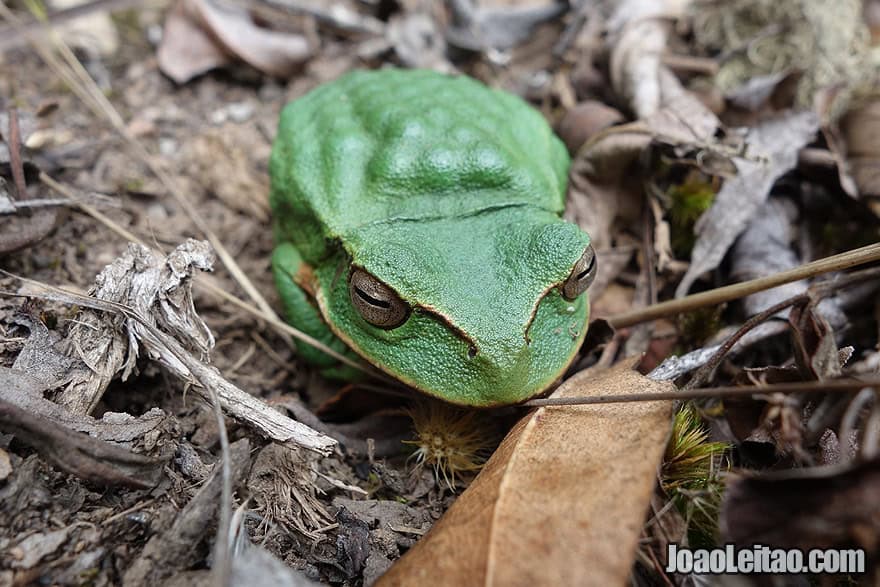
[(94, 32), (818, 507), (37, 547), (765, 248), (680, 121), (597, 206), (25, 392), (638, 33), (815, 349), (478, 27), (88, 458), (608, 154), (772, 150), (585, 120), (201, 35), (187, 50), (568, 487), (418, 41), (861, 131)]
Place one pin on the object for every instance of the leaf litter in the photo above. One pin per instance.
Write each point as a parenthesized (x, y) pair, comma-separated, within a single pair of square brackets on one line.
[(652, 99)]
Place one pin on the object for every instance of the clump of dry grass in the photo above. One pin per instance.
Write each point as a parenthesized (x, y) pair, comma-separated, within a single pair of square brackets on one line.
[(454, 441)]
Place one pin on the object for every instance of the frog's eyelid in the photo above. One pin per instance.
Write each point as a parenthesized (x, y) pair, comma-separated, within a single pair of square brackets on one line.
[(370, 299), (582, 275), (589, 268)]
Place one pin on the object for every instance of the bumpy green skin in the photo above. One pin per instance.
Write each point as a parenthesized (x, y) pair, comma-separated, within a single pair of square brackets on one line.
[(449, 192)]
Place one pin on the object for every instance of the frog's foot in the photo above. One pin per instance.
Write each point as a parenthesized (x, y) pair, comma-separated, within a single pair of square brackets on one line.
[(292, 276)]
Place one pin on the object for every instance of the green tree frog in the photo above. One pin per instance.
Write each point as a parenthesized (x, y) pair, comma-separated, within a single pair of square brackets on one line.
[(417, 220)]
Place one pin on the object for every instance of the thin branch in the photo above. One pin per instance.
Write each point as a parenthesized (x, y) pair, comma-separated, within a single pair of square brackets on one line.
[(705, 372), (721, 295), (15, 162), (833, 386)]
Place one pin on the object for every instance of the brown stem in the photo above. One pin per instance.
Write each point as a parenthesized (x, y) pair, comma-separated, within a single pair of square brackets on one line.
[(721, 295), (834, 386), (705, 372), (15, 161)]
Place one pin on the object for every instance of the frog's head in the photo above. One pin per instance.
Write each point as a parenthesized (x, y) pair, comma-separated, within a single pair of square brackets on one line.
[(481, 310)]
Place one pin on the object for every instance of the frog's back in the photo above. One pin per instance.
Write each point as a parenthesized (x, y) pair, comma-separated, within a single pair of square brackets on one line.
[(389, 145)]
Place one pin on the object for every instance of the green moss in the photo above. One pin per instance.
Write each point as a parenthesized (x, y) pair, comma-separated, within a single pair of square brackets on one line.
[(690, 476), (134, 184), (688, 201)]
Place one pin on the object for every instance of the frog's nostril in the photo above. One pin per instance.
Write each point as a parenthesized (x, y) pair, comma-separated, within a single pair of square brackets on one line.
[(472, 352)]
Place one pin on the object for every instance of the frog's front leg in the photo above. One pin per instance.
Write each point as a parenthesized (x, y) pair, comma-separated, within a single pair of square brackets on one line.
[(291, 276)]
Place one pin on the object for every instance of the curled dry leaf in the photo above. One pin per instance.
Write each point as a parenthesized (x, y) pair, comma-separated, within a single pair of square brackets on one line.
[(681, 122), (201, 35), (772, 150), (602, 189), (639, 30), (5, 466), (88, 458), (765, 248), (38, 546), (418, 41), (815, 350), (586, 472), (93, 32), (594, 204)]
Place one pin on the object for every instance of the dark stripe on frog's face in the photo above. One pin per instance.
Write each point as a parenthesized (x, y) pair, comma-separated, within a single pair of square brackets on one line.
[(488, 324)]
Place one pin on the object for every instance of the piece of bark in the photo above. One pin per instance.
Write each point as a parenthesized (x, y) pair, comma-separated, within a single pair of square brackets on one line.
[(90, 459), (150, 306), (25, 392)]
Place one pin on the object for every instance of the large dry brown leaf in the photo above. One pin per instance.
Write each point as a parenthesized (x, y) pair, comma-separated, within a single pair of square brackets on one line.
[(561, 502)]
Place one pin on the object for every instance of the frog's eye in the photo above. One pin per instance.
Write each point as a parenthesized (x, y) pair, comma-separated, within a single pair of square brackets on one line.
[(377, 303), (582, 275)]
